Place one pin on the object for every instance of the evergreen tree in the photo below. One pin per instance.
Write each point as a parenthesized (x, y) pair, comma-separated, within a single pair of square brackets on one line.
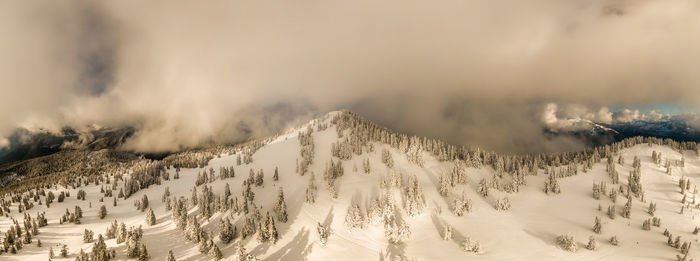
[(227, 231), (171, 257), (592, 244), (597, 227), (64, 251), (215, 253), (102, 213), (613, 241), (281, 207), (150, 217)]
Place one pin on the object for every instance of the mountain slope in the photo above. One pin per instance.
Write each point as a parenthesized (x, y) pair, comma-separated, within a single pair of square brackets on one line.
[(527, 231)]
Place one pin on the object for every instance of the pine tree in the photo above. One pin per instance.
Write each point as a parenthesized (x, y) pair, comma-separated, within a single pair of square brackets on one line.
[(281, 207), (143, 252), (568, 243), (144, 203), (102, 213), (271, 229), (613, 241), (483, 188), (597, 227), (646, 225), (215, 253), (171, 257), (323, 233), (227, 231), (64, 251), (276, 176), (447, 232), (592, 244), (87, 236), (150, 217)]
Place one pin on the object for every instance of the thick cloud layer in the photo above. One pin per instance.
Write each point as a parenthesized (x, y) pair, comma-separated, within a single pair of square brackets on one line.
[(476, 72)]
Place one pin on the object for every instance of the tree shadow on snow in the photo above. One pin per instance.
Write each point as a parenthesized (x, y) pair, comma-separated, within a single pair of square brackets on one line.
[(297, 249)]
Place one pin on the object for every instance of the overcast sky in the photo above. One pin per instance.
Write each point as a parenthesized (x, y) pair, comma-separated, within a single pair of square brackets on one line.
[(477, 72)]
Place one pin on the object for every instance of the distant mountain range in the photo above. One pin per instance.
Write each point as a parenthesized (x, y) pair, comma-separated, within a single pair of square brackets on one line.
[(596, 134), (27, 145)]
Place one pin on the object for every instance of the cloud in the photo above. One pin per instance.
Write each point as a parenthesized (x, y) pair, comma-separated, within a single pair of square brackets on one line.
[(4, 143), (475, 72)]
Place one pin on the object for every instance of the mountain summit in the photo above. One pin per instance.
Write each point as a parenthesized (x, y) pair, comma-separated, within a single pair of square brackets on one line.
[(341, 184)]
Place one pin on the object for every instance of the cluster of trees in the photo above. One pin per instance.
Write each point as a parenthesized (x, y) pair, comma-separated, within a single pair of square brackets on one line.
[(470, 245), (502, 204), (15, 238), (567, 243), (413, 199), (307, 151), (72, 217)]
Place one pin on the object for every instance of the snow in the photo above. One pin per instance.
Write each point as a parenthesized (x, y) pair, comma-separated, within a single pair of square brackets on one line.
[(525, 232)]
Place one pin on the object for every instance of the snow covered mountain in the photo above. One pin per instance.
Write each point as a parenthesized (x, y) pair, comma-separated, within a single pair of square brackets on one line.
[(598, 134), (342, 188)]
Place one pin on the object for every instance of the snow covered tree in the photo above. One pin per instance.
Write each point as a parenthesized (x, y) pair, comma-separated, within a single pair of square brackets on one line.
[(414, 201), (194, 198), (276, 175), (354, 218), (259, 178), (170, 257), (99, 250), (597, 226), (502, 204), (271, 229), (87, 236), (323, 233), (447, 232), (462, 205), (366, 166), (396, 231), (444, 185), (567, 243), (627, 209), (227, 231), (281, 207), (483, 188), (646, 225), (150, 217), (144, 203), (193, 231), (652, 208), (592, 244), (551, 184), (387, 159), (215, 253), (102, 213), (470, 245), (64, 251), (613, 241)]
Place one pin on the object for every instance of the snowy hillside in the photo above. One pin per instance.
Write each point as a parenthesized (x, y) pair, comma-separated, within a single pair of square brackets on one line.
[(407, 198)]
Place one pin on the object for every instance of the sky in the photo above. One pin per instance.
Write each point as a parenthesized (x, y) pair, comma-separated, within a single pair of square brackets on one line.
[(479, 72)]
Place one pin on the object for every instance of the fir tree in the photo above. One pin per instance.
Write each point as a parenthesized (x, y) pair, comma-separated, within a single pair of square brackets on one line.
[(281, 207), (150, 217), (215, 253), (102, 213), (171, 257), (64, 251), (597, 226), (592, 244)]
